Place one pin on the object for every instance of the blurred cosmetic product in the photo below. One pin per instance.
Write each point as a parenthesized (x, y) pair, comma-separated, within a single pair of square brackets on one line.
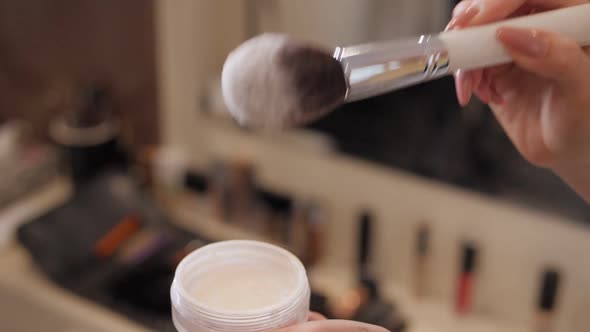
[(547, 301), (466, 278), (422, 254)]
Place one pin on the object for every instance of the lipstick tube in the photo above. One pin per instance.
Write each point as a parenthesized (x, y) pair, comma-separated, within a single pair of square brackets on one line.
[(466, 280), (547, 302), (421, 260)]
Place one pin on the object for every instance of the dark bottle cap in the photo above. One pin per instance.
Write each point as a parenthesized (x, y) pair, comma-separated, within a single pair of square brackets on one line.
[(365, 229), (470, 252), (278, 203), (423, 240), (371, 286), (319, 303), (549, 290), (196, 182)]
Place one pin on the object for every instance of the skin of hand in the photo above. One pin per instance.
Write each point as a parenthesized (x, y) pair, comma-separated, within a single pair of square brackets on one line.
[(318, 323), (542, 100)]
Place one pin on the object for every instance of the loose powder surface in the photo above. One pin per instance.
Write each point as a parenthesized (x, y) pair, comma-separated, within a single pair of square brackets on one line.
[(242, 286)]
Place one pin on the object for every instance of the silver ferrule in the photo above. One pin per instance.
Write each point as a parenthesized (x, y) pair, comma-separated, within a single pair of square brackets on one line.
[(378, 68)]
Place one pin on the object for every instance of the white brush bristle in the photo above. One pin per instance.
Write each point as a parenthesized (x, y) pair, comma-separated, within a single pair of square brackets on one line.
[(257, 90)]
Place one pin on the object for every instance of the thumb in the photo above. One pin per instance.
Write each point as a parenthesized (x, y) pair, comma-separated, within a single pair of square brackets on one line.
[(333, 326), (547, 54), (315, 316)]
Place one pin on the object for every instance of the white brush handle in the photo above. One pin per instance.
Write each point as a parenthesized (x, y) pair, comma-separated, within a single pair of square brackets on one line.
[(478, 47)]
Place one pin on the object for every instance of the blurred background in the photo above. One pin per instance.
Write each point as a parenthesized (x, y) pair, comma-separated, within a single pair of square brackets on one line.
[(118, 158)]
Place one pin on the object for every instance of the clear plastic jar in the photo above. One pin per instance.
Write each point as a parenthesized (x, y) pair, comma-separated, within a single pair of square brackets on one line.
[(243, 286)]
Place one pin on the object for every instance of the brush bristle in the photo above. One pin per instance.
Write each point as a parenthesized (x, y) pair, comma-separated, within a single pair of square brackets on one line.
[(274, 82)]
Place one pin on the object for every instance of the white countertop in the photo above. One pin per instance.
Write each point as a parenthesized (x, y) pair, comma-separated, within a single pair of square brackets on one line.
[(28, 301), (30, 207)]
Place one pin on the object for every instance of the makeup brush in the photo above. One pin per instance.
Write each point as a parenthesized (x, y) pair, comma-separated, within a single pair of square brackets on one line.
[(273, 81)]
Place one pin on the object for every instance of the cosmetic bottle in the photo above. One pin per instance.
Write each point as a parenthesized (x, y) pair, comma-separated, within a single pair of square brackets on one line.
[(547, 301), (466, 278), (422, 253)]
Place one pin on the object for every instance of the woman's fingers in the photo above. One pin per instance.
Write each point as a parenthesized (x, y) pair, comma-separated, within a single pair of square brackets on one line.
[(465, 84), (462, 15), (495, 10), (548, 55), (477, 12), (508, 85), (554, 4), (487, 11), (462, 6), (333, 326), (485, 90), (479, 82), (314, 316)]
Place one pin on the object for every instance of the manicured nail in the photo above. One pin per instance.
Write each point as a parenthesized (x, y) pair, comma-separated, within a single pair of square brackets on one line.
[(463, 18), (528, 42), (462, 6), (464, 85)]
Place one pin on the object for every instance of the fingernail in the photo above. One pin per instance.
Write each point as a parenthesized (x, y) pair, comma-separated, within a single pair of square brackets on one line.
[(464, 84), (529, 42), (463, 18)]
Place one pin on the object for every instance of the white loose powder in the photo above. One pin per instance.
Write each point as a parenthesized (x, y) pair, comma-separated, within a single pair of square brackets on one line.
[(242, 286)]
